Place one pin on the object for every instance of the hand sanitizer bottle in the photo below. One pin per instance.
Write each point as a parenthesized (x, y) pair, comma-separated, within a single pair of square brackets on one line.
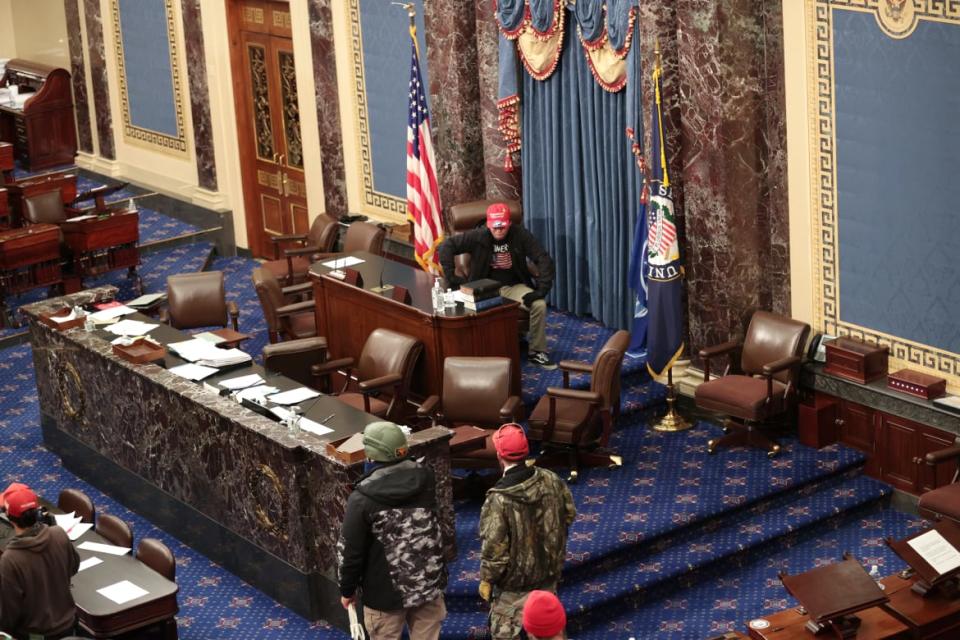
[(875, 574), (436, 295)]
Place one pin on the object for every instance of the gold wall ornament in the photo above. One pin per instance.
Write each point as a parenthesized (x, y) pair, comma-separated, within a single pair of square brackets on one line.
[(71, 393), (262, 516), (897, 18)]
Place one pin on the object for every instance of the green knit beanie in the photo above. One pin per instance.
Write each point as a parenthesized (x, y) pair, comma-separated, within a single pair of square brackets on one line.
[(384, 442)]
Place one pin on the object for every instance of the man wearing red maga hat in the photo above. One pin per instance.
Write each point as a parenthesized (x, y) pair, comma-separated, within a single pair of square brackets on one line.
[(500, 252)]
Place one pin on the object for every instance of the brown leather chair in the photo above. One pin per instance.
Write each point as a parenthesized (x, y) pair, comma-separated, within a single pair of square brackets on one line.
[(360, 236), (293, 267), (288, 316), (44, 207), (475, 391), (576, 425), (158, 557), (303, 360), (944, 501), (469, 215), (115, 530), (198, 300), (760, 381), (76, 501), (380, 381)]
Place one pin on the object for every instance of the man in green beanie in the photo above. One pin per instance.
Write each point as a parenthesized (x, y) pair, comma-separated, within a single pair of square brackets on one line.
[(390, 545)]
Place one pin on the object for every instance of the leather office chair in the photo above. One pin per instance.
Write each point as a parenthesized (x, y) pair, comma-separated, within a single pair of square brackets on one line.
[(475, 391), (288, 317), (158, 557), (293, 267), (576, 425), (76, 501), (382, 375), (44, 207), (303, 360), (198, 300), (115, 530), (360, 236), (944, 501), (760, 381)]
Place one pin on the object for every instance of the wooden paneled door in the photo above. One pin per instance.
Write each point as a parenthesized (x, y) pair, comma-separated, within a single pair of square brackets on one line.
[(268, 122)]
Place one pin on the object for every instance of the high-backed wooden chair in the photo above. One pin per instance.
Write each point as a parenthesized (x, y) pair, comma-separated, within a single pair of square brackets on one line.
[(944, 501), (380, 381), (199, 300), (303, 360), (115, 530), (77, 502), (157, 556), (360, 236), (292, 268), (575, 426), (760, 382), (288, 317), (46, 207)]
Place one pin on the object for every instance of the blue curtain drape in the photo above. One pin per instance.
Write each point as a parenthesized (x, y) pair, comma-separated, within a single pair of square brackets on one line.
[(581, 185)]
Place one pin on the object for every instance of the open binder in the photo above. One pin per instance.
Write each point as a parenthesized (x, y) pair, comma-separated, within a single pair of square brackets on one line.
[(928, 577)]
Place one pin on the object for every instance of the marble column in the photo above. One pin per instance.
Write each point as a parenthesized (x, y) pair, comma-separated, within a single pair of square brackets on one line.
[(78, 76), (98, 76), (499, 183), (732, 150), (454, 100), (328, 107), (199, 94)]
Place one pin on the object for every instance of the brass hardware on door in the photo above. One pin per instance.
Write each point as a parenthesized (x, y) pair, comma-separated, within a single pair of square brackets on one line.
[(283, 160), (276, 156), (286, 184)]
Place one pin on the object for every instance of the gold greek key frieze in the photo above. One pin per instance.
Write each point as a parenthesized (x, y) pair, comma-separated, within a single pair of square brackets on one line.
[(260, 96), (253, 15), (901, 20)]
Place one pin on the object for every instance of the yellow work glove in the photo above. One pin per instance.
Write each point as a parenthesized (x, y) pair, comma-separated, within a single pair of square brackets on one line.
[(484, 590)]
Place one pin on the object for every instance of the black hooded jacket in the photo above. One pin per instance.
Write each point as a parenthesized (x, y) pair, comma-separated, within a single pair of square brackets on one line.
[(390, 544)]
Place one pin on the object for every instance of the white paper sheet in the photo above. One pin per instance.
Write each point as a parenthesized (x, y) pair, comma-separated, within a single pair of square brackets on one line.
[(104, 548), (938, 553), (80, 218), (340, 263), (145, 300), (209, 336), (112, 312), (241, 382), (315, 428), (294, 396), (66, 520), (79, 529), (89, 562), (192, 371), (131, 328), (123, 591), (60, 319)]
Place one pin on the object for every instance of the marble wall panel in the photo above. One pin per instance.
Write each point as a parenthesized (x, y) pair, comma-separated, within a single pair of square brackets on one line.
[(328, 106), (98, 76), (499, 183), (78, 76), (454, 100), (199, 94)]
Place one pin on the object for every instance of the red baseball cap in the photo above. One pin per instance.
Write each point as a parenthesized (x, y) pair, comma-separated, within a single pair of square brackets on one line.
[(511, 442), (543, 615), (498, 216), (14, 486), (21, 501)]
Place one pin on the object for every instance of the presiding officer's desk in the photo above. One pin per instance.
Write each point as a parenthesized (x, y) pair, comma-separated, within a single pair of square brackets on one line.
[(265, 503), (346, 315)]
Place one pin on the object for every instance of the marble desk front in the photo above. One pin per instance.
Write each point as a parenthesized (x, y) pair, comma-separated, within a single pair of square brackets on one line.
[(265, 503)]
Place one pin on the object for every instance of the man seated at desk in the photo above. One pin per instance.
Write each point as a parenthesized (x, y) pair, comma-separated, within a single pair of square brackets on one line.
[(35, 572), (500, 252)]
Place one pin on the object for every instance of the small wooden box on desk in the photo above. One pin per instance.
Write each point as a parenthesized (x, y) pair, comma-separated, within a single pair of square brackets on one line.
[(856, 360)]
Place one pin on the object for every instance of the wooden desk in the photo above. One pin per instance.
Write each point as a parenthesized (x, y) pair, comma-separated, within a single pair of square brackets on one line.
[(29, 258), (935, 616), (17, 190), (101, 244), (875, 624), (347, 315)]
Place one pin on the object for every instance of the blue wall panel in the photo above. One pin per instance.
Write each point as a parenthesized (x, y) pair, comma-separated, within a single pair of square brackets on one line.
[(146, 57), (386, 69), (898, 194)]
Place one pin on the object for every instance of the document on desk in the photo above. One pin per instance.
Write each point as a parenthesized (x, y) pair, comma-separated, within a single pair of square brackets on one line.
[(207, 354), (123, 591), (192, 371), (111, 313), (61, 319), (104, 548), (210, 337), (340, 263), (73, 525), (131, 328), (241, 382), (314, 427), (936, 551), (256, 394), (80, 218), (294, 396), (92, 561), (146, 299)]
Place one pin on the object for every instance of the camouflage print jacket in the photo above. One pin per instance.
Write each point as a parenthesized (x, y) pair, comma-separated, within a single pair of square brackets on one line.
[(523, 528), (390, 544)]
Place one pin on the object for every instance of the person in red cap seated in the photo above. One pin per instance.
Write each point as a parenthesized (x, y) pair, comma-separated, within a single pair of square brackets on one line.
[(500, 252), (543, 616), (523, 533), (35, 571)]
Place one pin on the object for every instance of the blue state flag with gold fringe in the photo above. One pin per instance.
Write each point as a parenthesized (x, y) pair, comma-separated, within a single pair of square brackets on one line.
[(663, 270)]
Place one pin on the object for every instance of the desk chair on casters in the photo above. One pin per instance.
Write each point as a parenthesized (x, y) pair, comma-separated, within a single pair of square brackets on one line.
[(288, 316), (197, 300), (293, 267), (760, 382), (157, 556), (303, 360), (944, 501)]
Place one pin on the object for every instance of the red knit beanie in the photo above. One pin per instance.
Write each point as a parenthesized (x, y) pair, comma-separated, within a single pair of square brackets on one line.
[(511, 442), (543, 615)]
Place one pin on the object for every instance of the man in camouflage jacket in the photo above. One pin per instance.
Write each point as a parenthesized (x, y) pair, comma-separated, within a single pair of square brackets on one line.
[(523, 528), (390, 544)]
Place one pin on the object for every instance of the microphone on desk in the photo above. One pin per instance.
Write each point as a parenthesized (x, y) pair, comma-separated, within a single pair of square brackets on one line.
[(382, 288)]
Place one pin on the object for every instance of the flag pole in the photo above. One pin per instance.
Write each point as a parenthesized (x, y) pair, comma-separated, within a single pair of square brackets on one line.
[(672, 421)]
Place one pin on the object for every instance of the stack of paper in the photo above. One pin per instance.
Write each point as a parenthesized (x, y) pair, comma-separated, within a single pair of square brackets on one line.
[(340, 263), (112, 312), (294, 396), (241, 382), (256, 394), (208, 354), (72, 525), (146, 300), (192, 371), (131, 328)]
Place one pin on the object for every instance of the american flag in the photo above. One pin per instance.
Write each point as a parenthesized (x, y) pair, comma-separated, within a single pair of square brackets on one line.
[(423, 195)]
